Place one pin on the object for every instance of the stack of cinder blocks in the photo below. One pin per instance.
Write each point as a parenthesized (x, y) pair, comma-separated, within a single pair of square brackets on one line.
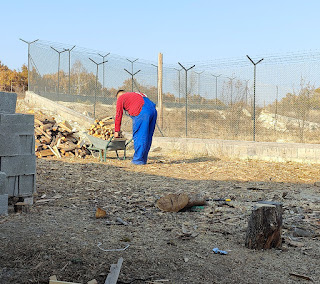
[(17, 155)]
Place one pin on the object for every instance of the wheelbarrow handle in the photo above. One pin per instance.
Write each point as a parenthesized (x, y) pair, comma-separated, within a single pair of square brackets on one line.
[(128, 142)]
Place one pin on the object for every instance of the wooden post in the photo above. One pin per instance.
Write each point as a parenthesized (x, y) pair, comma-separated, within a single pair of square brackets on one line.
[(160, 102), (265, 226)]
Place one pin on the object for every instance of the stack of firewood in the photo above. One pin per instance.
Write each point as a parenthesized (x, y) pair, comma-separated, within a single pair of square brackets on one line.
[(102, 129), (57, 139)]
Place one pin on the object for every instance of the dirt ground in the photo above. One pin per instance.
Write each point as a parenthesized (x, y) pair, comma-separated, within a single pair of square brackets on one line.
[(61, 236)]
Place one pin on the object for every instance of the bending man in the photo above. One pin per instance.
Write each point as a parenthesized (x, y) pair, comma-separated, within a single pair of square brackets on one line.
[(144, 115)]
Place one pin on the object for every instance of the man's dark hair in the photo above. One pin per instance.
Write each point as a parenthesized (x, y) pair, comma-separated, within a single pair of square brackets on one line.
[(119, 91)]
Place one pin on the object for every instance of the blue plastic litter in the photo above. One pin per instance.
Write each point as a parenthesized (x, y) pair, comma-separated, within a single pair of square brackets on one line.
[(218, 251)]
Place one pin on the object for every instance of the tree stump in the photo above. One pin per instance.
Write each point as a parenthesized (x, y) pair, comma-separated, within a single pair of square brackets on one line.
[(265, 226)]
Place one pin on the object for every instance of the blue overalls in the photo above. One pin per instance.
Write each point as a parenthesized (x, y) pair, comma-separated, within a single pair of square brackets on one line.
[(143, 126)]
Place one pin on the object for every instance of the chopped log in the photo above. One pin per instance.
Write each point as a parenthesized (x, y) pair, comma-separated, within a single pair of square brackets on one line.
[(46, 127), (173, 202), (65, 125), (196, 199), (43, 133), (45, 153), (56, 151), (38, 122), (265, 226), (44, 140), (69, 146)]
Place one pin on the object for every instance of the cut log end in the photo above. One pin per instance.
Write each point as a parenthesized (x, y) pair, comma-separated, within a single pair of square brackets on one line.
[(265, 226)]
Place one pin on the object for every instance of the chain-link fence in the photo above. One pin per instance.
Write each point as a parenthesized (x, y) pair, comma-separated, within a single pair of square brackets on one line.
[(220, 99)]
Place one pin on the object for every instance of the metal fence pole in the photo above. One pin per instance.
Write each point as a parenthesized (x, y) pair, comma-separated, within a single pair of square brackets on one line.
[(186, 70), (131, 73), (254, 95), (103, 56), (95, 93), (231, 89), (59, 52), (216, 76), (29, 43), (69, 50), (199, 73)]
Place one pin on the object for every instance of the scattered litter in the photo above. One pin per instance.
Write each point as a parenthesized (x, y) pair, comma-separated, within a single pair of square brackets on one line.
[(255, 188), (119, 220), (157, 281), (197, 208), (44, 200), (112, 277), (122, 249), (298, 232), (219, 199), (218, 251), (301, 276)]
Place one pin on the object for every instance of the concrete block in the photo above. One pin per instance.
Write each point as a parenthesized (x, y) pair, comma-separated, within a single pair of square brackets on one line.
[(13, 145), (19, 124), (4, 204), (9, 145), (18, 165), (27, 145), (3, 183), (13, 186), (8, 102), (26, 185)]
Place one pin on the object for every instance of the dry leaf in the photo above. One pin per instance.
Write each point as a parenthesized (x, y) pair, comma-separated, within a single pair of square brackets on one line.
[(100, 213)]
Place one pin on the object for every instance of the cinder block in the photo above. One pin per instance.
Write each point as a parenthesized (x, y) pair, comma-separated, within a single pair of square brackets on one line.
[(3, 183), (9, 145), (26, 185), (8, 102), (13, 186), (19, 124), (27, 145), (18, 165), (13, 145), (4, 204)]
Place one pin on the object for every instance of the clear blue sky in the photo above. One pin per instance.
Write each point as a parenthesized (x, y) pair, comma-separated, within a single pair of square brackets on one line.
[(185, 31)]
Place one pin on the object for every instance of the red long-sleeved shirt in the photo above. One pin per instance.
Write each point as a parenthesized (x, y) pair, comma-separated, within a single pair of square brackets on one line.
[(131, 102)]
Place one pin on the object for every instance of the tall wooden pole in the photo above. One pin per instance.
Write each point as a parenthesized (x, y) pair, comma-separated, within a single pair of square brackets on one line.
[(160, 101)]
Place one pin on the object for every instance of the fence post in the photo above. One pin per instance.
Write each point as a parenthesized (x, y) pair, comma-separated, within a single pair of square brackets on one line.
[(186, 70), (160, 101), (254, 95)]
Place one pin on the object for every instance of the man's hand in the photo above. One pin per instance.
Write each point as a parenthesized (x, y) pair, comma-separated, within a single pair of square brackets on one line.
[(116, 135)]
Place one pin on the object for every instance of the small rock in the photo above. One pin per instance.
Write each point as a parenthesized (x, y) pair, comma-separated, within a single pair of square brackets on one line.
[(298, 232), (317, 183), (186, 259)]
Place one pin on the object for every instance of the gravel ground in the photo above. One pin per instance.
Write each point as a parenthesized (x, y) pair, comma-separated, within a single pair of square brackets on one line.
[(60, 235)]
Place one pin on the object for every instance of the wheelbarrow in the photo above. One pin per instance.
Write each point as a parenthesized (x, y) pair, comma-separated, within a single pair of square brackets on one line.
[(113, 144)]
